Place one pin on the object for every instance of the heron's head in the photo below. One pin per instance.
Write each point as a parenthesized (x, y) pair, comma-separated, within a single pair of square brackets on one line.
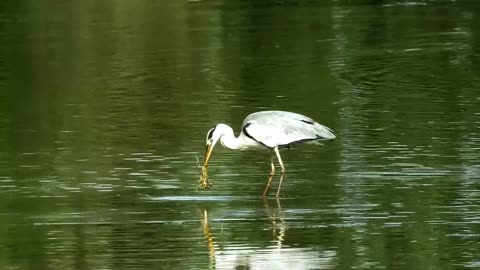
[(213, 136)]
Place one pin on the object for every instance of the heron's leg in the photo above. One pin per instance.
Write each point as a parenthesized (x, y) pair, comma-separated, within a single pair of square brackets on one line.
[(272, 174), (283, 170), (267, 187), (279, 159), (272, 164), (280, 184)]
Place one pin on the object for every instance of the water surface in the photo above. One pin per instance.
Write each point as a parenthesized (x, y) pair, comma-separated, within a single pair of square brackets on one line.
[(104, 109)]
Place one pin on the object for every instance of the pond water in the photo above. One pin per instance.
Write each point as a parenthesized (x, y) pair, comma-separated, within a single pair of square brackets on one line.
[(104, 109)]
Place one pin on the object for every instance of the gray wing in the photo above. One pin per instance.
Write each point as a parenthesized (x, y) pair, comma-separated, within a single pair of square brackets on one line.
[(279, 128)]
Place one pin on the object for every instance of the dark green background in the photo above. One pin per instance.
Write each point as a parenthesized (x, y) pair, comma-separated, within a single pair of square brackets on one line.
[(105, 105)]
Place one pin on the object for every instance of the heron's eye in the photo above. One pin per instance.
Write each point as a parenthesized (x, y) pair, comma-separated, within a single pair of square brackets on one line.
[(210, 134)]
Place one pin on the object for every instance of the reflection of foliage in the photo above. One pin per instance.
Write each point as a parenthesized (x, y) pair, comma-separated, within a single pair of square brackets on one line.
[(102, 102), (401, 105)]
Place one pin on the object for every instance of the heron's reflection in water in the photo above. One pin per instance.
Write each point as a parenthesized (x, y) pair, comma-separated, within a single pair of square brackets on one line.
[(274, 254), (277, 219), (207, 232)]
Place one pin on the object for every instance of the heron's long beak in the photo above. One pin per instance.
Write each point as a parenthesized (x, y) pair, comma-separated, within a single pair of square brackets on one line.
[(208, 152)]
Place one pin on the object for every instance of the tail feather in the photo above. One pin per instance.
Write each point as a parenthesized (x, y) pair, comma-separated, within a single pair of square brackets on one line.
[(324, 133)]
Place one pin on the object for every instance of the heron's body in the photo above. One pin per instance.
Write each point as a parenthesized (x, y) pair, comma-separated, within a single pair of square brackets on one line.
[(267, 130)]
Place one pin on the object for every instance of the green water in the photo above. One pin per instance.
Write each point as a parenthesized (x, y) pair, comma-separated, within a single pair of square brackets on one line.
[(104, 109)]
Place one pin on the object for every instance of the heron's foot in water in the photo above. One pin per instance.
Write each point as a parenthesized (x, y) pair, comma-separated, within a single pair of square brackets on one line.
[(204, 183)]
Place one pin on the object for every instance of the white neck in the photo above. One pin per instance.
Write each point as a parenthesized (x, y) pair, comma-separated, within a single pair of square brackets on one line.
[(228, 140)]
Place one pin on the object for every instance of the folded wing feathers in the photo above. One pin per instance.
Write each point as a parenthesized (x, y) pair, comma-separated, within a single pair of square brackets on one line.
[(274, 128)]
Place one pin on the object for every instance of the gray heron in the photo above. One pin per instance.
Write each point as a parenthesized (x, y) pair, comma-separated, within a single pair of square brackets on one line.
[(269, 130)]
